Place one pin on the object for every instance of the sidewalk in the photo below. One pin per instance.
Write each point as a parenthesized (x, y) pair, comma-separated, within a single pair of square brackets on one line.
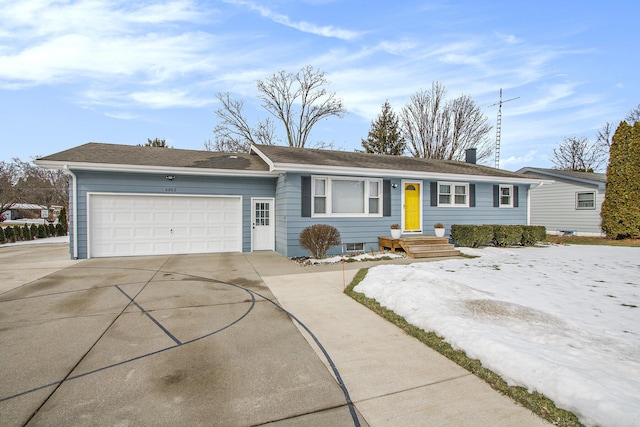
[(392, 378)]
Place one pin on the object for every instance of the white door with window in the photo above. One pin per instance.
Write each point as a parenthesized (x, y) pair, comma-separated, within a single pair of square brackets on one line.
[(262, 224)]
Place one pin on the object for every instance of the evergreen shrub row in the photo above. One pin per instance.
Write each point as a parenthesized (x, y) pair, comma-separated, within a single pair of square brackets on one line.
[(18, 233), (497, 235)]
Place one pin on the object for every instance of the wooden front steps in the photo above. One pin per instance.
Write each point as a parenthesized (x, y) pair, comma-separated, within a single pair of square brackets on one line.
[(420, 246)]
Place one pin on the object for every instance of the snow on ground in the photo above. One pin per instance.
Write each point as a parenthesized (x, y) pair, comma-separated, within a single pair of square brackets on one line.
[(362, 257), (560, 320)]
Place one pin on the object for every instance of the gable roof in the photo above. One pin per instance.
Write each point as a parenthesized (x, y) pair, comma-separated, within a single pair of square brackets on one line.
[(310, 160), (599, 179), (268, 160), (116, 157)]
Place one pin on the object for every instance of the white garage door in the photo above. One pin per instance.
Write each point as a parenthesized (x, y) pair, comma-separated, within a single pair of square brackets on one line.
[(134, 224)]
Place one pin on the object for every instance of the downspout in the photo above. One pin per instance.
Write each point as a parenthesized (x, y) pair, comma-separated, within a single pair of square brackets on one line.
[(74, 208)]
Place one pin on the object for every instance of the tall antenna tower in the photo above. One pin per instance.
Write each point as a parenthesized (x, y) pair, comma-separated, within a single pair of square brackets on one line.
[(499, 126)]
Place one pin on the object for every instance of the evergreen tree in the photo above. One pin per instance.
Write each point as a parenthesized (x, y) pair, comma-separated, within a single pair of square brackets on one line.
[(62, 221), (620, 210), (384, 135)]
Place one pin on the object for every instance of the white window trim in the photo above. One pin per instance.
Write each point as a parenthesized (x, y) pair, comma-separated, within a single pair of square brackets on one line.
[(500, 204), (589, 208), (328, 196), (453, 203)]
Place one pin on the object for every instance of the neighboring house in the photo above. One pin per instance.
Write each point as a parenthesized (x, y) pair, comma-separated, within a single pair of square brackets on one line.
[(130, 200), (18, 210), (571, 204)]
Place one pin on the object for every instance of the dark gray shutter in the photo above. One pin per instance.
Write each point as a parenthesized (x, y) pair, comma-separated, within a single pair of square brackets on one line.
[(434, 193), (516, 202), (306, 196), (496, 196), (472, 195), (386, 197)]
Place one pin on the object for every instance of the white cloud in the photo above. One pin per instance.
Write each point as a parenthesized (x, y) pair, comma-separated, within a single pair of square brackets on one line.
[(170, 98), (304, 26), (511, 161)]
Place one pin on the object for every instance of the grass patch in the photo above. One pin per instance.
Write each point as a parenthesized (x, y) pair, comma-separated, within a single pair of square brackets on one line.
[(536, 402), (584, 240)]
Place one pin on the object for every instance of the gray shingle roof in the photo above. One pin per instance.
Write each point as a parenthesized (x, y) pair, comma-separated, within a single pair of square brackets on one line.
[(346, 159), (115, 154), (583, 176)]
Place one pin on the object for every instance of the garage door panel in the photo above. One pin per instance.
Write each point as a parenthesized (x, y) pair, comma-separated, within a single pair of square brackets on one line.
[(123, 225)]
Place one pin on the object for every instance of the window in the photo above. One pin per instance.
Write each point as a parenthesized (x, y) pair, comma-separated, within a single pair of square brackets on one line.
[(586, 200), (453, 194), (355, 247), (334, 196), (506, 196)]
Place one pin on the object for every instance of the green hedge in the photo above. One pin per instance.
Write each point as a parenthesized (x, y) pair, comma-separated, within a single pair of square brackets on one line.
[(498, 235), (472, 235)]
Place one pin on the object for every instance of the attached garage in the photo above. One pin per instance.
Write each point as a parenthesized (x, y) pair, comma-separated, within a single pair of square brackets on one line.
[(152, 224)]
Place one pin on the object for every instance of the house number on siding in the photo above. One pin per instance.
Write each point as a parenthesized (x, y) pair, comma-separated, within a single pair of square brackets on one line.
[(170, 190)]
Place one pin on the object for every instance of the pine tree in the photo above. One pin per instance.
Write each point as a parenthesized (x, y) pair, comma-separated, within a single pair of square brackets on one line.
[(620, 210), (384, 135)]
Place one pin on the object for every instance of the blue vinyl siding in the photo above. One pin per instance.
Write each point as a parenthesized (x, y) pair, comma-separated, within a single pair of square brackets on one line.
[(107, 182), (483, 213), (367, 230), (289, 221)]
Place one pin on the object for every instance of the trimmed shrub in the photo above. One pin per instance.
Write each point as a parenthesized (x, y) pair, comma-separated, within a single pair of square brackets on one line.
[(471, 235), (17, 232), (507, 235), (8, 232), (62, 220), (51, 230), (42, 231), (34, 230), (60, 231), (26, 232), (532, 234), (3, 238), (319, 238)]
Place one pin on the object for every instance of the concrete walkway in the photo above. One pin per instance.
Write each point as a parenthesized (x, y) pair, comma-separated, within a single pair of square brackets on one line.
[(392, 378)]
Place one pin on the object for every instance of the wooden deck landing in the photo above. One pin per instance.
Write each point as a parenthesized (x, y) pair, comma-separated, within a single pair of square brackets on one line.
[(420, 246)]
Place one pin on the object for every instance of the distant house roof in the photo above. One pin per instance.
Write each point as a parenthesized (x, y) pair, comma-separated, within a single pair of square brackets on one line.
[(327, 161), (266, 160), (599, 179)]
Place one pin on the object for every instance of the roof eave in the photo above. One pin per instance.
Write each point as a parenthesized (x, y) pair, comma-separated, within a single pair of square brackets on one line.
[(109, 167), (394, 173), (601, 185)]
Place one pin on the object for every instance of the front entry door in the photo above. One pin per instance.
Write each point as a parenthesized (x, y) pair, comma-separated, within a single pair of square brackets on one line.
[(263, 227), (412, 206)]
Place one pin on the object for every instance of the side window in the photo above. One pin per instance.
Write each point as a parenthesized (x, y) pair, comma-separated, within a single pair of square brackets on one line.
[(586, 200), (506, 196)]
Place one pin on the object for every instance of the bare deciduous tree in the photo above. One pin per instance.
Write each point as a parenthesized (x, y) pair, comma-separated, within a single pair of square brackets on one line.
[(436, 128), (9, 194), (41, 186), (604, 135), (298, 101), (233, 133), (578, 154), (633, 116)]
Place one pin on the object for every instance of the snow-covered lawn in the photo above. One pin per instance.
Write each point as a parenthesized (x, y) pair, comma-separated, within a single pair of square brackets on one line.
[(560, 320)]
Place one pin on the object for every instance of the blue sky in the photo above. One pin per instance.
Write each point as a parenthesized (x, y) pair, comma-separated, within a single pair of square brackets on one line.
[(74, 71)]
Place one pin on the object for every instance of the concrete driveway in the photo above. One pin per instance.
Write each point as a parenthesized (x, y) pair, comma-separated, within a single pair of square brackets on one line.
[(164, 340)]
